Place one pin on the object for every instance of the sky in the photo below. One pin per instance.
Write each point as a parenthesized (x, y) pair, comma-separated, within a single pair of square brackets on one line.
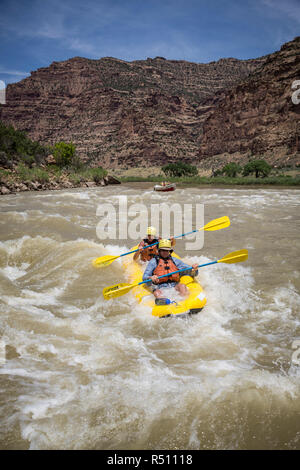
[(34, 33)]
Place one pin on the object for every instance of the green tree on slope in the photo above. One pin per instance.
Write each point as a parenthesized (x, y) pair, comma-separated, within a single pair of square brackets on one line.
[(179, 169), (259, 167)]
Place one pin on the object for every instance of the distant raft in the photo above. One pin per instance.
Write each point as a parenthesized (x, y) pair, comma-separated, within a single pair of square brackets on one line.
[(165, 188), (193, 303)]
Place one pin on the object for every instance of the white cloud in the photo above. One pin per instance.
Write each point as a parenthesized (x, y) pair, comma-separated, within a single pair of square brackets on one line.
[(11, 76), (289, 8), (82, 47), (17, 73)]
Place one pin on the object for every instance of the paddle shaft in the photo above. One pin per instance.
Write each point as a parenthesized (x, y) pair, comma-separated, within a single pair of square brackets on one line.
[(216, 224), (206, 227), (233, 257), (120, 289), (156, 243), (179, 271)]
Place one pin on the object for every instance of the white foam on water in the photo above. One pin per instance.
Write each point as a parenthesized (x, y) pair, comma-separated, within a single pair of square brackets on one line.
[(30, 297), (83, 372), (14, 272), (17, 216), (12, 247), (83, 195)]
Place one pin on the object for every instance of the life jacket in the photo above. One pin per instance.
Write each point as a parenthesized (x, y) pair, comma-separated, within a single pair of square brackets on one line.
[(148, 253), (165, 266)]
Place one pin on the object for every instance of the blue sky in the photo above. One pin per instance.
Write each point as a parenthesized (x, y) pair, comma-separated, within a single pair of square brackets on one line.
[(34, 33)]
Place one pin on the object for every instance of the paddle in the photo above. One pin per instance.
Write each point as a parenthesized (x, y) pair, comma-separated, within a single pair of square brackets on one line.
[(120, 289), (216, 224)]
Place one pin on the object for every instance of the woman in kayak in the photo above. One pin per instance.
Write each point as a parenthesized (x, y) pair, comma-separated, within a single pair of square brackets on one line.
[(164, 263), (146, 254)]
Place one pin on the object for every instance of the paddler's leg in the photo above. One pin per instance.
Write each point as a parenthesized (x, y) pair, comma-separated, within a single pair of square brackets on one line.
[(157, 293), (156, 289), (160, 299), (182, 289)]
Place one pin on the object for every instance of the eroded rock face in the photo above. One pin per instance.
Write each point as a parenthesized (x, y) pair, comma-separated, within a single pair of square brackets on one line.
[(156, 111), (258, 115)]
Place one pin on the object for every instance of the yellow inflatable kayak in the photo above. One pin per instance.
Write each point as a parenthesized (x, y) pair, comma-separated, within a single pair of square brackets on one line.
[(194, 303)]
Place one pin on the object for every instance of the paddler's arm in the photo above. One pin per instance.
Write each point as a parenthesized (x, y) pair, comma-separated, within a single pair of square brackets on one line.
[(149, 269), (181, 265), (137, 253)]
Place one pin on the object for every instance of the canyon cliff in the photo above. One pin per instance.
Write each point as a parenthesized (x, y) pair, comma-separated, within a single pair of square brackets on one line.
[(150, 112)]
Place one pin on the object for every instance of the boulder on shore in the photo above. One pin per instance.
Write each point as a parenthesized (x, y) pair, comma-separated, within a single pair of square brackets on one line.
[(14, 185), (111, 180), (50, 160), (4, 190)]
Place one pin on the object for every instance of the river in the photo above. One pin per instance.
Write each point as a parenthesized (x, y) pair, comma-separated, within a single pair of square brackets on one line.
[(79, 372)]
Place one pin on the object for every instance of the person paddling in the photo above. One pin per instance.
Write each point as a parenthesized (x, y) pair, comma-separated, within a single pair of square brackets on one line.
[(164, 263), (146, 254)]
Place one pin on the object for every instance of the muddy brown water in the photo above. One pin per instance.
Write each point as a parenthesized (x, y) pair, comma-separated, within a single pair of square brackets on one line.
[(78, 372)]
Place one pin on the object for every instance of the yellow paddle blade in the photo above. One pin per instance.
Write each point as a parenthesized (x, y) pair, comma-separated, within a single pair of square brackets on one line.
[(117, 290), (235, 257), (217, 224), (104, 261)]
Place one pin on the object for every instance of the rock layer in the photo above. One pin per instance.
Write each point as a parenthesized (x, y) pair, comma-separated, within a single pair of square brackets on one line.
[(258, 116), (147, 113)]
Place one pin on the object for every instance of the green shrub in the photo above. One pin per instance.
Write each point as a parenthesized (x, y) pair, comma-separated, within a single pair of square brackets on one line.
[(231, 169), (88, 174), (28, 160), (179, 169), (64, 153), (32, 174), (75, 179), (17, 146), (56, 170), (40, 175), (98, 175)]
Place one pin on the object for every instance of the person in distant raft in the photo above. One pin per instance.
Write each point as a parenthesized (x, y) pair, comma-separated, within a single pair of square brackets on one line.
[(146, 254), (164, 263)]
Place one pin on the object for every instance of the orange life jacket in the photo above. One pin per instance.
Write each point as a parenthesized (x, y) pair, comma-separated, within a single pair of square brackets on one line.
[(148, 253), (165, 266)]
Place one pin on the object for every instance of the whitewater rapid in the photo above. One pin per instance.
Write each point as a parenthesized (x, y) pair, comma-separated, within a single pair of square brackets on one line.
[(79, 372)]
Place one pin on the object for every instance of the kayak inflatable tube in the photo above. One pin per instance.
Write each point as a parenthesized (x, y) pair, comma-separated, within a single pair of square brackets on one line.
[(166, 188), (191, 304)]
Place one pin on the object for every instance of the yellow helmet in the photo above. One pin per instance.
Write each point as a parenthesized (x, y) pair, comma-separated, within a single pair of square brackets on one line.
[(164, 244), (151, 231)]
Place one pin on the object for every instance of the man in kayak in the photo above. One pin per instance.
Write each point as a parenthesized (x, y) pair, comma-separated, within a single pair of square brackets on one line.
[(146, 254), (164, 263)]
